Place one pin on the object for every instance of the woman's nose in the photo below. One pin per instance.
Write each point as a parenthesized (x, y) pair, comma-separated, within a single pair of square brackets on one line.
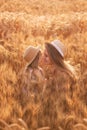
[(47, 59)]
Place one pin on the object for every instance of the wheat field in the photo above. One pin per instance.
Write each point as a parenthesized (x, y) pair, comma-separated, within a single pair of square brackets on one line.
[(34, 22)]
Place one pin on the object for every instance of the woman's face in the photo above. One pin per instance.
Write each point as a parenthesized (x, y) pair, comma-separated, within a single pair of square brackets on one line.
[(46, 57)]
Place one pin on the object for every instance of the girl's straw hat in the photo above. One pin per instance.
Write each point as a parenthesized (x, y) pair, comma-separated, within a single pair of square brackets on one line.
[(31, 53), (59, 47)]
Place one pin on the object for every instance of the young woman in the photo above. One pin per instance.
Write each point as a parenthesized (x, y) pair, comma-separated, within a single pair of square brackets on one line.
[(54, 54)]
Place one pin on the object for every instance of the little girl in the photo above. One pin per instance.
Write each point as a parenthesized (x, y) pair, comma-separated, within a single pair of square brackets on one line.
[(33, 76)]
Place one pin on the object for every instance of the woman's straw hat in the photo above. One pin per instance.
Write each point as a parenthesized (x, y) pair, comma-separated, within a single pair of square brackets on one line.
[(31, 53), (59, 47), (57, 54)]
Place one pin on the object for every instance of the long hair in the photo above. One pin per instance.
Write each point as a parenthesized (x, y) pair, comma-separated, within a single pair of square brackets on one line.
[(59, 61)]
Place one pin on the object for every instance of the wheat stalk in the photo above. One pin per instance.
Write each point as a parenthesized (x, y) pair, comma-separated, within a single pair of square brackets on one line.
[(68, 121), (59, 128), (44, 128), (85, 121), (3, 123), (22, 123), (16, 126), (80, 125)]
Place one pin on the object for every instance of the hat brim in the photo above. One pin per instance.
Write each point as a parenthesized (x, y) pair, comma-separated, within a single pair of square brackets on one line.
[(58, 48), (54, 48), (37, 50)]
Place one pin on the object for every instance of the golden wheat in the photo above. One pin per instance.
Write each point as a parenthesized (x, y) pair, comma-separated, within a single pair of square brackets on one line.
[(23, 23)]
